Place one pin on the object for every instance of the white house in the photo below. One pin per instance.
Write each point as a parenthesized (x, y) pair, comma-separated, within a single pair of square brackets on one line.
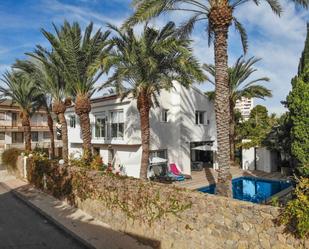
[(182, 130)]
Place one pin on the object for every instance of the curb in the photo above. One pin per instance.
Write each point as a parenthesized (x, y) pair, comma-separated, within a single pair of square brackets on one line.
[(48, 217)]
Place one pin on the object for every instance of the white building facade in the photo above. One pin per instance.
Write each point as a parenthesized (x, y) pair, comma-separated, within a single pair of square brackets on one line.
[(183, 121), (245, 105)]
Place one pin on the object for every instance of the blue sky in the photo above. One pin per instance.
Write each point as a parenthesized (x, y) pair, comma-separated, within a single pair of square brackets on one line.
[(278, 41)]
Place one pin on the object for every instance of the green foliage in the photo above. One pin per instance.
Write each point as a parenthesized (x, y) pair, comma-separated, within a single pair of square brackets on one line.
[(239, 80), (95, 164), (9, 158), (304, 60), (256, 128), (275, 201), (296, 213), (47, 175), (197, 11), (22, 90), (298, 105), (139, 200), (150, 62), (78, 54)]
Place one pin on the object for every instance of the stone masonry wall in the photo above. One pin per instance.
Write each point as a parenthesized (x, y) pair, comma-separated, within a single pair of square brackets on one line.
[(211, 221)]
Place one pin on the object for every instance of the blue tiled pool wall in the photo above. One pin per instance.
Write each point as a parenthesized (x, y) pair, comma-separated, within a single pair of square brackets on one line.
[(252, 189)]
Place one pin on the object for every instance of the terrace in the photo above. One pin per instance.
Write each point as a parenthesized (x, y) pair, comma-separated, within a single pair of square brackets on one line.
[(208, 176)]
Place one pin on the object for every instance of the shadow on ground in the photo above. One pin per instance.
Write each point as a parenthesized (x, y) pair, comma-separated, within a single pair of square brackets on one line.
[(94, 231)]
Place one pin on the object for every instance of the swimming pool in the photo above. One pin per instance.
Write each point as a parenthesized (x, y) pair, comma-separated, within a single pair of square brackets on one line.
[(251, 189)]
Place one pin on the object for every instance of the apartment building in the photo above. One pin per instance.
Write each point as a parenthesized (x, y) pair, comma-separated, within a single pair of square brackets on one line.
[(182, 130), (245, 105), (11, 130)]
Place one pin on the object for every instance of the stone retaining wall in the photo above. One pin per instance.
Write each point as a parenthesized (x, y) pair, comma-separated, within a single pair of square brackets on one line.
[(211, 221)]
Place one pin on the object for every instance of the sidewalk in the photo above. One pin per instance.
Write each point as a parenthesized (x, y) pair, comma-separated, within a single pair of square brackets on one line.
[(83, 227)]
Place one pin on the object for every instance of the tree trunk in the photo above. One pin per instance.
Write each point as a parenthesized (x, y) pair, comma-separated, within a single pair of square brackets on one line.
[(143, 105), (50, 123), (82, 109), (86, 135), (64, 135), (27, 131), (232, 133), (222, 108)]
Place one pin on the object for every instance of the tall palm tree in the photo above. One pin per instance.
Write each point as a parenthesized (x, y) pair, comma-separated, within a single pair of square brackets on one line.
[(23, 92), (78, 54), (218, 16), (46, 102), (45, 70), (240, 86), (146, 64)]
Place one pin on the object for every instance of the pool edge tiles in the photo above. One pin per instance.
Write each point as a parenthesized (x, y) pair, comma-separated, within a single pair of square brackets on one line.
[(252, 189)]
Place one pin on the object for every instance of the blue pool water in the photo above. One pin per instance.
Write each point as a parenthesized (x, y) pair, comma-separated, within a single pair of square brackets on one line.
[(251, 189)]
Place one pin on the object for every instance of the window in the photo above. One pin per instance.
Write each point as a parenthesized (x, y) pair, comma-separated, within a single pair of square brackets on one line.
[(34, 136), (158, 153), (46, 135), (2, 115), (200, 117), (17, 137), (117, 124), (2, 135), (100, 127), (72, 121), (164, 115)]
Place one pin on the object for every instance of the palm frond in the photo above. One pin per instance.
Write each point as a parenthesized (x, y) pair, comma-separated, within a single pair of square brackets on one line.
[(243, 34)]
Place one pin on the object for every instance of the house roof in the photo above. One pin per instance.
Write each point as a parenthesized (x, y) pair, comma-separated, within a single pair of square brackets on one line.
[(104, 98)]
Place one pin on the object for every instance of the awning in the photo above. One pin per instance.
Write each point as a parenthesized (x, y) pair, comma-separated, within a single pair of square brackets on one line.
[(205, 148), (157, 160)]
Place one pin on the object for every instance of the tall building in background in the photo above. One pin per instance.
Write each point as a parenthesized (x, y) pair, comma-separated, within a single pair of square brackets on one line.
[(245, 105)]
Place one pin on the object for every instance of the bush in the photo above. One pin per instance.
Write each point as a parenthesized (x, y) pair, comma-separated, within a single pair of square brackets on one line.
[(9, 158), (95, 164), (296, 213)]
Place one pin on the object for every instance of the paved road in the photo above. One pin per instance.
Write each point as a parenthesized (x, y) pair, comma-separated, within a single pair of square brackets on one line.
[(23, 228)]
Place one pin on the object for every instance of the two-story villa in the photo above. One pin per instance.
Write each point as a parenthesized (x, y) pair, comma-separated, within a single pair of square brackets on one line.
[(182, 130), (11, 130)]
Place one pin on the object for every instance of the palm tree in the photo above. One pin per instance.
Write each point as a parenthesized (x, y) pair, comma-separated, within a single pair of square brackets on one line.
[(45, 70), (78, 56), (23, 92), (217, 16), (146, 64), (46, 102), (240, 86)]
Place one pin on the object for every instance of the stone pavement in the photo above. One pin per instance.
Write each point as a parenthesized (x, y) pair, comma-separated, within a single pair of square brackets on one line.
[(83, 227)]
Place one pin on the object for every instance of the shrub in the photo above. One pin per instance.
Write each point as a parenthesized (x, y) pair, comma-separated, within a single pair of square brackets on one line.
[(296, 213), (95, 164), (9, 158)]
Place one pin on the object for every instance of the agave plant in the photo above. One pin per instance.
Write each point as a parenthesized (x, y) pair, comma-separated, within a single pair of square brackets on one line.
[(145, 65), (23, 92), (217, 17), (78, 54), (240, 86)]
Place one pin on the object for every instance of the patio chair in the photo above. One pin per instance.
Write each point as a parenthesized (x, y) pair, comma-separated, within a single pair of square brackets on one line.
[(177, 171), (161, 175)]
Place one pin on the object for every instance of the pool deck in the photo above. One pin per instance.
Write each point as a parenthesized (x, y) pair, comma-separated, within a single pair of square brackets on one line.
[(208, 176)]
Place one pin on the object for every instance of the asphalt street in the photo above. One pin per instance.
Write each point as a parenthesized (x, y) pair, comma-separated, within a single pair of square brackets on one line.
[(23, 228)]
